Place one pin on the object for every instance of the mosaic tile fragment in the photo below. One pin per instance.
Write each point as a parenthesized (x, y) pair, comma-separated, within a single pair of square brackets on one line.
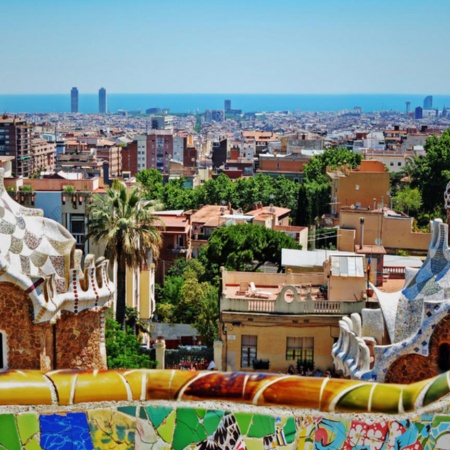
[(9, 438), (28, 426), (59, 431), (112, 429)]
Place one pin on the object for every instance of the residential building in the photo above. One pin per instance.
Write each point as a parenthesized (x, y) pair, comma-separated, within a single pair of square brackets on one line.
[(381, 226), (130, 161), (365, 187), (74, 100), (162, 122), (15, 141), (159, 150), (102, 101), (303, 325), (43, 155), (290, 166), (219, 153), (176, 235), (108, 151)]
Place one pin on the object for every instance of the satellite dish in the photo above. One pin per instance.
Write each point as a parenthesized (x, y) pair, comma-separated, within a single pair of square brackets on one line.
[(377, 241)]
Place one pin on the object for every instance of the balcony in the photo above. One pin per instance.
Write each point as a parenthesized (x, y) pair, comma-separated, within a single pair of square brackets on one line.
[(280, 306)]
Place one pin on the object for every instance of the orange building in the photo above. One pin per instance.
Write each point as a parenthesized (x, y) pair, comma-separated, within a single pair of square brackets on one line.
[(365, 187)]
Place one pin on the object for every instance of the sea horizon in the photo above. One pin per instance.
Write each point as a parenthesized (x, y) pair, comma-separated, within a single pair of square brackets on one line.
[(192, 103)]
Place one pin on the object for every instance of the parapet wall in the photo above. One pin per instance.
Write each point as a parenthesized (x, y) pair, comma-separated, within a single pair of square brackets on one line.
[(161, 409)]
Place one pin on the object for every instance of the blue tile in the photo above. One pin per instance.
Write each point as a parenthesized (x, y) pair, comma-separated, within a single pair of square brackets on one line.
[(65, 432)]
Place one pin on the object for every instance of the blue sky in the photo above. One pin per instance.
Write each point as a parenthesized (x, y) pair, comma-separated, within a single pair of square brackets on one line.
[(225, 46)]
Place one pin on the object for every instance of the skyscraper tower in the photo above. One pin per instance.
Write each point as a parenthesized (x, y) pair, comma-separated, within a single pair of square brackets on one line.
[(408, 104), (74, 100), (428, 102), (227, 106), (102, 102)]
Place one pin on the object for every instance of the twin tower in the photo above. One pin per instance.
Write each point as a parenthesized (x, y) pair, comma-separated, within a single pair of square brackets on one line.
[(102, 101)]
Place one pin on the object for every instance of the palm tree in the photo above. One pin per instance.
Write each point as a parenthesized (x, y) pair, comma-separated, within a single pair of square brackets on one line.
[(126, 224)]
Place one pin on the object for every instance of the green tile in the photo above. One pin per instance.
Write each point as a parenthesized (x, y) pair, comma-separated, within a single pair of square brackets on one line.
[(167, 427), (130, 410), (211, 421), (244, 420), (261, 426), (290, 430), (187, 427), (143, 413), (28, 426), (157, 414), (32, 445), (9, 437), (200, 412)]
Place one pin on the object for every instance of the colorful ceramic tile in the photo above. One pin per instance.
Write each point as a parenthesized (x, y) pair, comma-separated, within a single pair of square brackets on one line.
[(365, 435), (289, 430), (253, 444), (157, 414), (328, 434), (28, 426), (211, 421), (187, 429), (439, 433), (112, 429), (9, 438), (403, 434), (146, 436), (167, 427), (244, 420), (130, 410), (261, 426), (65, 431)]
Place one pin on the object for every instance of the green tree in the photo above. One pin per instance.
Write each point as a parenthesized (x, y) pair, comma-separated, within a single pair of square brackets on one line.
[(152, 183), (207, 321), (126, 224), (123, 348), (408, 200), (247, 247), (431, 173)]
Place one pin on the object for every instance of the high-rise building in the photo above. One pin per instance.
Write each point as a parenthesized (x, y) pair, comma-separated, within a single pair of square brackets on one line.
[(74, 100), (227, 106), (408, 105), (418, 113), (159, 150), (428, 102), (102, 102), (15, 141)]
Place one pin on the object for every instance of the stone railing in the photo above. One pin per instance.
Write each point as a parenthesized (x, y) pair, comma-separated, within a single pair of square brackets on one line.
[(296, 307)]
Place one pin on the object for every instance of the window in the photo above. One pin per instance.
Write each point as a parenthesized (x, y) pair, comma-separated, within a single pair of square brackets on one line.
[(248, 350), (300, 349)]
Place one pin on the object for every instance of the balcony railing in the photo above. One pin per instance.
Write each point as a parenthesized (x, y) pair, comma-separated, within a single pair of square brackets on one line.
[(254, 305)]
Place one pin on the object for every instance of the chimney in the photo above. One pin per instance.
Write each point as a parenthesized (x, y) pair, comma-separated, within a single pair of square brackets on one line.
[(374, 203), (361, 233)]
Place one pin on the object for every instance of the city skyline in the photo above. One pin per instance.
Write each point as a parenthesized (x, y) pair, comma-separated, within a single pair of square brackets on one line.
[(206, 47)]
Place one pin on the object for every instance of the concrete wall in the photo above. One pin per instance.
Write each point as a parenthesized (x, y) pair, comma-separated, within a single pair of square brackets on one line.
[(272, 346), (394, 232)]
